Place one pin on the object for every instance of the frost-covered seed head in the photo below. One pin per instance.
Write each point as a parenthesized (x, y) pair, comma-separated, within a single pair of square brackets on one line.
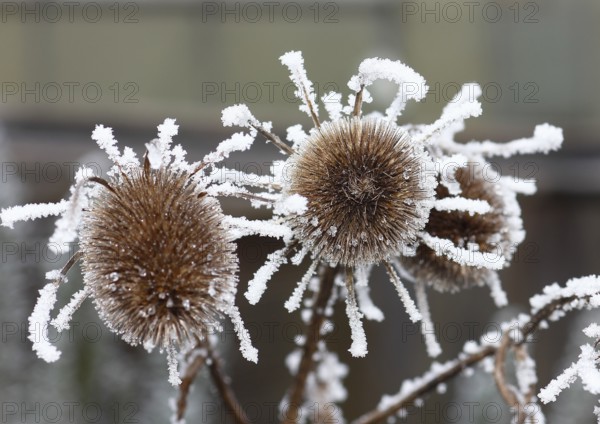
[(486, 233), (160, 265), (367, 189)]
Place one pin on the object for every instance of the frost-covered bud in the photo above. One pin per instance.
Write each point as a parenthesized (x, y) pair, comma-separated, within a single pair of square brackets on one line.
[(368, 187), (160, 265), (477, 242)]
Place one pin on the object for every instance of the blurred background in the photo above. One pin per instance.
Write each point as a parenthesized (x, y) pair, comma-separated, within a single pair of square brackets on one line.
[(67, 66)]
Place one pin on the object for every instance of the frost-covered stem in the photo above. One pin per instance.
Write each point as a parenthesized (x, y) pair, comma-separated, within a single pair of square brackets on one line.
[(70, 263), (508, 394), (311, 108), (274, 138), (221, 381), (313, 336), (378, 415), (191, 371), (358, 101), (251, 196)]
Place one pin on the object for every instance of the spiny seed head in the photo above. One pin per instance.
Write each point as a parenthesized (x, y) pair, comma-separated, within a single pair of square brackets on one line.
[(160, 265), (367, 189), (489, 232)]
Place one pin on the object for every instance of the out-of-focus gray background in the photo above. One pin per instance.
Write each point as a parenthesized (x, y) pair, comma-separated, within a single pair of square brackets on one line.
[(67, 66)]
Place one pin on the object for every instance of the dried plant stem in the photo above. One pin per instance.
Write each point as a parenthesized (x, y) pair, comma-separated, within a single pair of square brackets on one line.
[(274, 138), (508, 394), (313, 336), (70, 264), (379, 415), (358, 102), (191, 371), (221, 381), (252, 196), (195, 363), (311, 108)]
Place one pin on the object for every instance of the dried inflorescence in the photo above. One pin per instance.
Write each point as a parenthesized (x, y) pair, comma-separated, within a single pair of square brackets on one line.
[(160, 265), (157, 251), (487, 233), (362, 181), (369, 189)]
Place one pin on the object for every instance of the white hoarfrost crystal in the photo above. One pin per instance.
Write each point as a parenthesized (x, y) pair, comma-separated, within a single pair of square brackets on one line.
[(294, 204), (173, 366), (238, 142), (411, 85), (546, 138), (67, 225), (333, 105), (357, 331), (294, 301), (462, 204), (63, 319), (304, 88), (296, 135), (32, 211), (427, 327), (464, 105), (38, 324), (470, 256), (248, 351), (258, 284), (238, 115)]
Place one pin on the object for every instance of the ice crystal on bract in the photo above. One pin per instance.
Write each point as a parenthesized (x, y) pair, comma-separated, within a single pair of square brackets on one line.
[(486, 234), (157, 252), (371, 198), (475, 224)]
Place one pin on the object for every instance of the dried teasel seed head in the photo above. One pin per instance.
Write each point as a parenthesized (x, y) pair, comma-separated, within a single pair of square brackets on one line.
[(487, 233), (368, 189), (160, 265)]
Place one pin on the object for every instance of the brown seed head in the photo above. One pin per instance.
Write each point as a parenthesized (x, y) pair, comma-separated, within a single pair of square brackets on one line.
[(490, 232), (159, 263), (367, 190)]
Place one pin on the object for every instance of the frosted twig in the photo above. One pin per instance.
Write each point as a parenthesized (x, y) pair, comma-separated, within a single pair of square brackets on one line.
[(194, 361), (420, 386), (32, 211), (365, 303), (496, 290), (427, 327), (409, 304), (462, 204), (243, 227), (545, 138), (241, 116), (38, 324), (470, 257), (359, 338), (507, 392), (172, 364), (294, 61), (68, 224), (62, 320), (274, 138), (411, 85), (295, 299), (221, 382), (313, 335), (464, 105), (249, 352), (258, 284), (358, 101)]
